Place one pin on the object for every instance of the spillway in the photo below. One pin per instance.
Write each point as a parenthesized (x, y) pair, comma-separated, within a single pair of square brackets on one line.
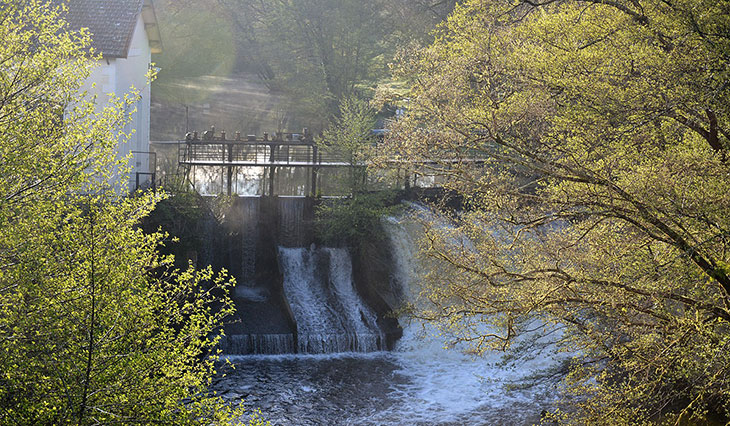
[(329, 314)]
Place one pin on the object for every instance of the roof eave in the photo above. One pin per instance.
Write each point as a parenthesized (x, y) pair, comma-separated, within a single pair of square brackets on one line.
[(151, 26)]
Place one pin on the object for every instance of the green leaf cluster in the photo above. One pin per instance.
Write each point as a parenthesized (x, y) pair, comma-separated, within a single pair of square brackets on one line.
[(95, 326), (355, 221), (349, 137), (600, 196)]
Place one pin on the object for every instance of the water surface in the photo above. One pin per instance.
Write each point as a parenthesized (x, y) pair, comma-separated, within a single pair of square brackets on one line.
[(419, 383)]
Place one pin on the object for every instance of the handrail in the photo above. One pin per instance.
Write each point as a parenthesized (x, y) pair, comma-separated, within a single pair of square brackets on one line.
[(276, 153)]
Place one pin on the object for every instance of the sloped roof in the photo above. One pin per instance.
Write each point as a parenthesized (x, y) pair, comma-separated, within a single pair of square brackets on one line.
[(112, 22)]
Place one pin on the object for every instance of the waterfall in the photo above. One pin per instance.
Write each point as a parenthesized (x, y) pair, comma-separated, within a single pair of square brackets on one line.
[(315, 310), (330, 315), (424, 377), (526, 372), (404, 248), (265, 344), (249, 235), (291, 226), (359, 319)]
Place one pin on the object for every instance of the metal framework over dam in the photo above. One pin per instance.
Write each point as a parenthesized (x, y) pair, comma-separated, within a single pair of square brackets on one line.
[(257, 153), (281, 150)]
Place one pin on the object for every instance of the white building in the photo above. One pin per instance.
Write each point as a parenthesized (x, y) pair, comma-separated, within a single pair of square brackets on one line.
[(125, 33)]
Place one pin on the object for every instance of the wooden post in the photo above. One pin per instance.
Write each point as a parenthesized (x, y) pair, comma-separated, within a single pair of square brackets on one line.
[(223, 165)]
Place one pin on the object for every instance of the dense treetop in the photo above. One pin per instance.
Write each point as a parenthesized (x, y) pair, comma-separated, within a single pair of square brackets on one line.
[(96, 327), (603, 203)]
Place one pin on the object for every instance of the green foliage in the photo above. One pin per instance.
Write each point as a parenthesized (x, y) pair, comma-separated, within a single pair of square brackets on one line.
[(318, 52), (349, 136), (179, 216), (350, 132), (356, 220), (601, 201), (95, 326)]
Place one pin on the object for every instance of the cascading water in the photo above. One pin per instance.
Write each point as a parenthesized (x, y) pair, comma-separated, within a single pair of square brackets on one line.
[(249, 235), (263, 344), (329, 314), (493, 388), (403, 248), (358, 318), (418, 383), (291, 218)]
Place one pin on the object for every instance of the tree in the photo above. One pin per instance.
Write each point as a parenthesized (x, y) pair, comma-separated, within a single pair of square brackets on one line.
[(319, 52), (350, 137), (309, 54), (599, 195), (354, 221), (198, 41), (95, 326)]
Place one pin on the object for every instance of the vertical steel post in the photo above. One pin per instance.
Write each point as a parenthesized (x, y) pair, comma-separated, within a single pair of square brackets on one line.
[(272, 169), (230, 165), (315, 170)]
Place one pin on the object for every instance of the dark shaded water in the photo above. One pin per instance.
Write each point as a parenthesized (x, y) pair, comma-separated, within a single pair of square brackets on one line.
[(314, 390), (418, 384)]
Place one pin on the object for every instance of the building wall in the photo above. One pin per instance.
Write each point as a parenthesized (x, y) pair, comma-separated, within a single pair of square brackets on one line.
[(131, 72), (120, 76)]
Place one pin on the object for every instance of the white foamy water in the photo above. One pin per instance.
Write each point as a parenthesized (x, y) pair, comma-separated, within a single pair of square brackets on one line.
[(419, 383), (329, 314), (358, 318), (404, 252), (258, 343), (496, 388)]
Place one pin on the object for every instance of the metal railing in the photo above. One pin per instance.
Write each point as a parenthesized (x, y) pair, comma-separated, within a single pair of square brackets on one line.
[(256, 154)]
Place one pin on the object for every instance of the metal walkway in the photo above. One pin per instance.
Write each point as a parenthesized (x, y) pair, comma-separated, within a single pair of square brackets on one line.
[(284, 150)]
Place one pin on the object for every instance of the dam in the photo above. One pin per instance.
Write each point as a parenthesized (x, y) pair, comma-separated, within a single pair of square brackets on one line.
[(316, 338), (293, 295)]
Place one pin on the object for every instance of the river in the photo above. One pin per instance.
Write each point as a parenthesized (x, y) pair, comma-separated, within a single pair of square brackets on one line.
[(419, 383)]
